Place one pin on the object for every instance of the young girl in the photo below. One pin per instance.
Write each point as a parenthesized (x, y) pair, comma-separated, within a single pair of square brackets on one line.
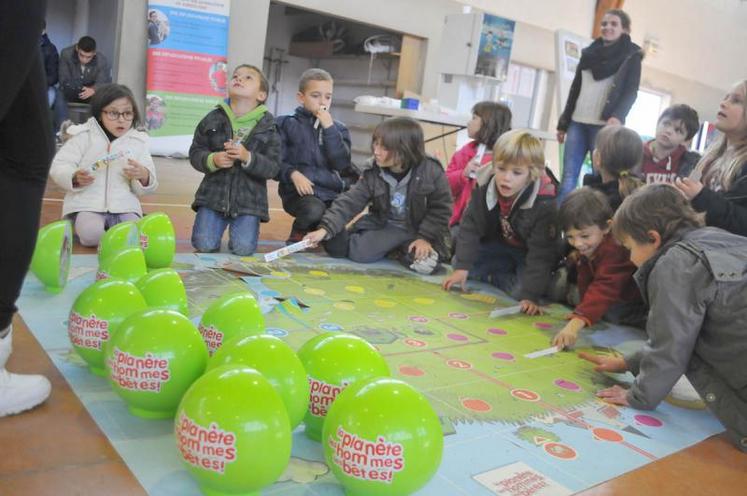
[(694, 280), (603, 91), (718, 185), (617, 152), (105, 166), (602, 267), (409, 204), (489, 121), (237, 147), (507, 236)]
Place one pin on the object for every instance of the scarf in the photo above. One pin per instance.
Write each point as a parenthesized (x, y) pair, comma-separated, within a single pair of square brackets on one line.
[(605, 60)]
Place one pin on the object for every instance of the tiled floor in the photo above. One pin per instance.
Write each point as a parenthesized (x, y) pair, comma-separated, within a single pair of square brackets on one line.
[(57, 449)]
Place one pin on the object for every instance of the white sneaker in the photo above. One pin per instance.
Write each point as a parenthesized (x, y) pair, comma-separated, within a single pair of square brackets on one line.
[(683, 394), (426, 265), (19, 392)]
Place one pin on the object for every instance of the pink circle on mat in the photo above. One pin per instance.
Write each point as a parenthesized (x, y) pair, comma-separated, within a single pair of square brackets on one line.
[(411, 371), (502, 355), (458, 364), (476, 405), (458, 315), (499, 332), (648, 420), (543, 325), (570, 386), (419, 319), (457, 337)]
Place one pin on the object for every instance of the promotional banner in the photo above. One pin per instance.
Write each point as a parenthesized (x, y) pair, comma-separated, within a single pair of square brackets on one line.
[(187, 72)]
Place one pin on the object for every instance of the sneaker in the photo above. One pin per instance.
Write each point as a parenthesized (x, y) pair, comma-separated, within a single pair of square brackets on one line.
[(19, 392), (427, 265), (683, 394)]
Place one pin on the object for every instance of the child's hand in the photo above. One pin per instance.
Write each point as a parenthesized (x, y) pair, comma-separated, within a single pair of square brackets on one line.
[(222, 160), (421, 247), (560, 135), (530, 308), (316, 237), (605, 363), (457, 278), (237, 152), (688, 187), (568, 335), (471, 168), (136, 170), (303, 185), (82, 178), (325, 118), (615, 395)]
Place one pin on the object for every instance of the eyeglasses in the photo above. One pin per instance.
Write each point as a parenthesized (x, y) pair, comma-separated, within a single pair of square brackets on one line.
[(127, 115)]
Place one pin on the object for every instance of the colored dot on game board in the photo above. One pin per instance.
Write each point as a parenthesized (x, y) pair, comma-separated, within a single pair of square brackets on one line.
[(419, 319), (480, 297), (314, 291), (525, 394), (607, 435), (543, 325), (648, 420), (318, 273), (498, 332), (330, 327), (415, 343), (476, 405), (458, 364), (458, 315), (567, 385), (424, 301), (280, 273), (559, 450), (277, 332), (355, 289), (248, 259), (385, 303), (457, 337), (502, 355), (411, 371), (344, 305)]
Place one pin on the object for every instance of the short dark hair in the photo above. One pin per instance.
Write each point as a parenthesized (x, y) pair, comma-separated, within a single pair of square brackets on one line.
[(623, 16), (313, 74), (496, 120), (585, 207), (106, 94), (264, 85), (620, 152), (403, 137), (655, 207), (86, 44), (684, 113)]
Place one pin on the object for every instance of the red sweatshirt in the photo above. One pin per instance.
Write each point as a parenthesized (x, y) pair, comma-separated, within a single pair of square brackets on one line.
[(604, 279), (461, 187), (678, 164)]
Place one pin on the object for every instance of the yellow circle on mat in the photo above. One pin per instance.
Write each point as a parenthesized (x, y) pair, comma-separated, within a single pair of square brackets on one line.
[(424, 301), (280, 273), (344, 305), (355, 289), (385, 303), (479, 297), (318, 273), (314, 291), (248, 259)]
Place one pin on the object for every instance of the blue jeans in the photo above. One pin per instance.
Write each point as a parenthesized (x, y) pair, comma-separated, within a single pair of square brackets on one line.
[(243, 232), (499, 264), (579, 140)]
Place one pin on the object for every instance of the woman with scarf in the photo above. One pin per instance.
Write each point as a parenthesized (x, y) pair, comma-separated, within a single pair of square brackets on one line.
[(603, 91)]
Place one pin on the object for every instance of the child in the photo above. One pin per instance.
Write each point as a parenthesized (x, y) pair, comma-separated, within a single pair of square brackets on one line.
[(315, 166), (603, 269), (508, 230), (105, 166), (666, 158), (409, 204), (617, 152), (694, 280), (237, 147), (718, 186), (489, 121)]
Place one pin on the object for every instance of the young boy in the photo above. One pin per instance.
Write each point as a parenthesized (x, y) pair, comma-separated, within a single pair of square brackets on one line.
[(603, 270), (695, 282), (666, 158), (237, 147), (315, 165), (508, 236)]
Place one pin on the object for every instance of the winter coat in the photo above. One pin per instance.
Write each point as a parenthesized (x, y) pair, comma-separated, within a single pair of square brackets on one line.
[(679, 163), (111, 191), (726, 209), (604, 280), (428, 205), (322, 164), (242, 188), (696, 289), (532, 218), (462, 187), (95, 73), (51, 60)]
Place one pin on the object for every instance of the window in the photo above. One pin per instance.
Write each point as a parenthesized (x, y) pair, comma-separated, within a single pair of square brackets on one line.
[(645, 112)]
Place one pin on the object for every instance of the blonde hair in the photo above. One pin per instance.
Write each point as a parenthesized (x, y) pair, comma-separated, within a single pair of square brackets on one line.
[(620, 151), (520, 147), (713, 158)]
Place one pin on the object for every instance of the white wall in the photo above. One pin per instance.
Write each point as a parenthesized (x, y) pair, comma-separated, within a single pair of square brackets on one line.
[(574, 15)]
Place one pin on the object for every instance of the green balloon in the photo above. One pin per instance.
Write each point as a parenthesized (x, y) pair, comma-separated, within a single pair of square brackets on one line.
[(51, 259), (152, 360), (118, 237), (232, 432), (96, 315), (334, 361), (382, 438), (234, 314), (275, 360), (127, 264), (163, 288), (157, 239)]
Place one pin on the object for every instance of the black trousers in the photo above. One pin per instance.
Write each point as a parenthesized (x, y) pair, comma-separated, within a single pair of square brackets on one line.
[(307, 210)]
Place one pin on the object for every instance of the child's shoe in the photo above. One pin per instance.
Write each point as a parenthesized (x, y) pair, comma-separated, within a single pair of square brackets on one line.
[(684, 395), (427, 265), (19, 392)]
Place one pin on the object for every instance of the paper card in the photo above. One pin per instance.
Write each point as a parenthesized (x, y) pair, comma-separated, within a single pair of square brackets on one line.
[(519, 479)]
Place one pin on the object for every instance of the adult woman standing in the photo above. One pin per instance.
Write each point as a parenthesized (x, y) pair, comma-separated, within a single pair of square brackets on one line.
[(603, 91)]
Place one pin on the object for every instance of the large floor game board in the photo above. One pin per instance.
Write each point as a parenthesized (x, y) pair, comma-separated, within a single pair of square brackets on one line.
[(512, 424)]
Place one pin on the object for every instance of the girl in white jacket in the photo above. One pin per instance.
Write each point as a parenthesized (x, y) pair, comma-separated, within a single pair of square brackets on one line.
[(105, 166)]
